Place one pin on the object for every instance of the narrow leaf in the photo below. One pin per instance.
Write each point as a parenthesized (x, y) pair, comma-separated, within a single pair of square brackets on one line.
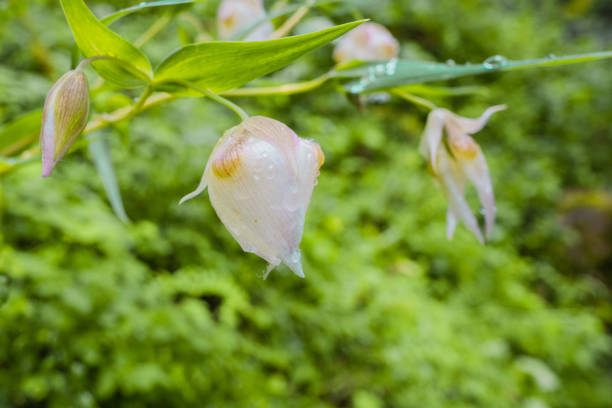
[(396, 73), (94, 39), (20, 133), (101, 156), (143, 5), (221, 66)]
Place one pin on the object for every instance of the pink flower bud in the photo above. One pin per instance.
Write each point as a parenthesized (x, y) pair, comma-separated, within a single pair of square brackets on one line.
[(260, 177), (64, 117), (368, 42), (466, 162), (234, 16)]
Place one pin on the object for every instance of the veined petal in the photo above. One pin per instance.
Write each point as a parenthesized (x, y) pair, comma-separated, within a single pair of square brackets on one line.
[(260, 178), (64, 117), (451, 223), (477, 171), (432, 136), (471, 126), (368, 42), (234, 16), (276, 133), (452, 179)]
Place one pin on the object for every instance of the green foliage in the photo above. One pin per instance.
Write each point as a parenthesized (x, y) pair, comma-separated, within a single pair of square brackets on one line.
[(142, 6), (167, 311), (397, 73), (220, 66), (95, 39)]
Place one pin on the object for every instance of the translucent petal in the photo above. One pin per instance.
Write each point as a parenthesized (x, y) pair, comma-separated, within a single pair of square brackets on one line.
[(234, 16), (471, 126), (452, 181), (477, 171), (451, 223), (260, 178), (368, 42), (432, 136)]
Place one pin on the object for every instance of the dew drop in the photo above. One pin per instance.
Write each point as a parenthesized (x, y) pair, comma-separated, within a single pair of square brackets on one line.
[(451, 62), (496, 61), (551, 56), (391, 66)]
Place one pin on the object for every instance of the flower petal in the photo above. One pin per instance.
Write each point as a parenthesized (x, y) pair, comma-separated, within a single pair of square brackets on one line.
[(432, 136), (471, 126), (477, 171), (452, 179)]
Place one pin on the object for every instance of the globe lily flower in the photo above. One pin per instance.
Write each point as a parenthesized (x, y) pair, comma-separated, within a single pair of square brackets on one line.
[(234, 16), (64, 117), (368, 42), (260, 177), (462, 161)]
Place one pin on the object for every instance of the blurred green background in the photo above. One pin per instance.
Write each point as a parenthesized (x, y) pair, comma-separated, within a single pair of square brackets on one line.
[(167, 311)]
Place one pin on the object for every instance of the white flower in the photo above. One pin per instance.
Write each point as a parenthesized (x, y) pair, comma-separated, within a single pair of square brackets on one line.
[(235, 16), (368, 42), (64, 117), (465, 161), (260, 177)]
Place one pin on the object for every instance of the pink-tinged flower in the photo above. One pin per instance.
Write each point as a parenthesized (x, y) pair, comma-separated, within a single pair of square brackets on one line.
[(465, 161), (235, 16), (64, 117), (368, 42), (260, 177)]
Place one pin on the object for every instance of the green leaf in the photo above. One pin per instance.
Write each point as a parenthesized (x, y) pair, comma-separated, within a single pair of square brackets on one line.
[(396, 73), (143, 5), (20, 133), (94, 39), (221, 66), (101, 156)]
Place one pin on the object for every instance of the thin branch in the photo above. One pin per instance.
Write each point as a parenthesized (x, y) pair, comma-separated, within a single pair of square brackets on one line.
[(292, 21)]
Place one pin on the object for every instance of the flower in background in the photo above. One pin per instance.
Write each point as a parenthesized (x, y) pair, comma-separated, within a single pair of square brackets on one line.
[(260, 177), (235, 16), (368, 42), (64, 117), (462, 161)]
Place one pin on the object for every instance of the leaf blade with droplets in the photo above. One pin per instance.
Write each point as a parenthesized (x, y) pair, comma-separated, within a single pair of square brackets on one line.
[(396, 73)]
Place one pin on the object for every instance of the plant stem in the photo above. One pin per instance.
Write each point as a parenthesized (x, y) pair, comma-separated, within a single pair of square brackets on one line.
[(414, 99), (284, 89), (292, 21), (217, 98), (153, 30)]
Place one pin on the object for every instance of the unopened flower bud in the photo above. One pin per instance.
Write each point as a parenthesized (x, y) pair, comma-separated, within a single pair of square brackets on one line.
[(260, 177), (64, 117), (465, 161), (235, 16), (368, 42)]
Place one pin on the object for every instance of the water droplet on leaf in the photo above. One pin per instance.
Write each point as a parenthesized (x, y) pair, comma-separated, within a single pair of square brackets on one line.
[(496, 61)]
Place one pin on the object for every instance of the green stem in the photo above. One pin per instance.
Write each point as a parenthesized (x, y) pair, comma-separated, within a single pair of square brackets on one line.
[(414, 99), (284, 89), (217, 98), (292, 21), (159, 25), (126, 64)]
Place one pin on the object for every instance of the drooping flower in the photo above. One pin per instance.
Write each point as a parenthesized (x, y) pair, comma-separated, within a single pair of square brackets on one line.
[(368, 42), (463, 160), (260, 177), (64, 117), (235, 16)]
